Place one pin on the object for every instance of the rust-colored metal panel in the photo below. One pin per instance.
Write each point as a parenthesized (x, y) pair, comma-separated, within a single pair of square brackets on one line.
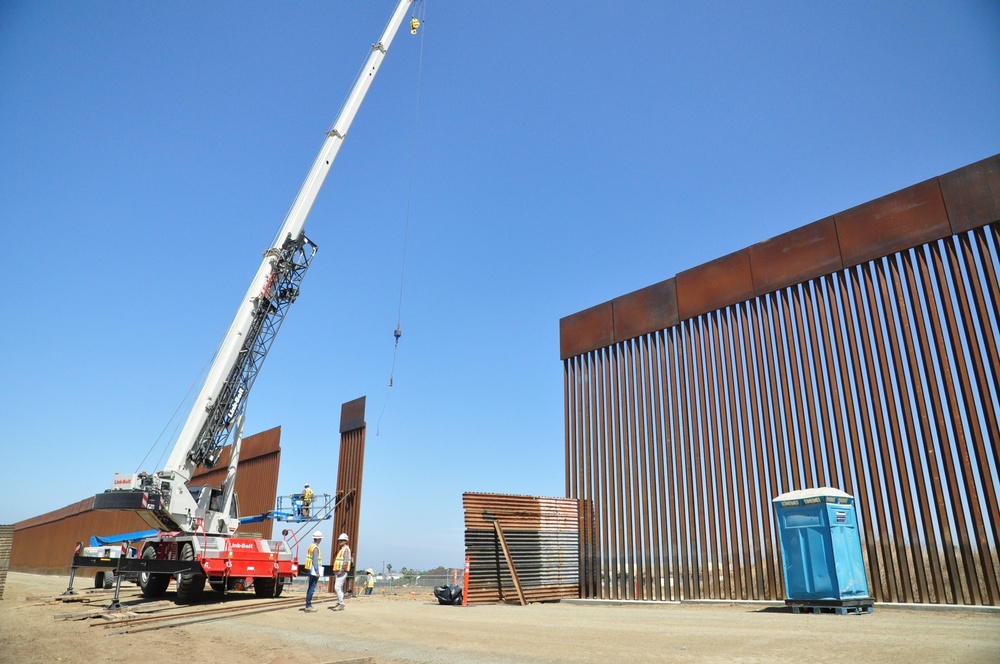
[(796, 256), (259, 444), (971, 439), (352, 415), (350, 472), (256, 481), (586, 330), (6, 543), (917, 429), (44, 544), (899, 221), (646, 310), (543, 540), (972, 194), (880, 377), (831, 381), (975, 384), (714, 285)]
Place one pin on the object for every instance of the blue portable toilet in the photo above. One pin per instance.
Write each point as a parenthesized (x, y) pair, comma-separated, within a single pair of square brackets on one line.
[(821, 549)]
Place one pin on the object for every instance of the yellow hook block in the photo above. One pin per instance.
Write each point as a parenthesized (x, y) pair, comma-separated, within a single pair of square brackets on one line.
[(414, 24)]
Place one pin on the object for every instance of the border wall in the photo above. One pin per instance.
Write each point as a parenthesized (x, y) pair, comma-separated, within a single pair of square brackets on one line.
[(44, 544), (350, 473), (6, 541), (858, 352)]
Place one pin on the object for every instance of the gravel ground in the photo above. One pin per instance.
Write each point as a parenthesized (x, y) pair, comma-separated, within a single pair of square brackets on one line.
[(402, 628)]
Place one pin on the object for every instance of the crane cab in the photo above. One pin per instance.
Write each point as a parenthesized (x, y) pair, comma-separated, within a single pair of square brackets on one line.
[(212, 508)]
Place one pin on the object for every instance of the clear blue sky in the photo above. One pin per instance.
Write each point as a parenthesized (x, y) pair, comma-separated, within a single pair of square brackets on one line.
[(562, 154)]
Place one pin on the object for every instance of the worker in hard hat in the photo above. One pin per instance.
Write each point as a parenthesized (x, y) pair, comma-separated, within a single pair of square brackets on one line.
[(307, 499), (342, 564), (369, 581), (314, 565)]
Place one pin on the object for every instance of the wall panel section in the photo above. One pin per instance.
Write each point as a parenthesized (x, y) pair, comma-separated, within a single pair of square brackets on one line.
[(858, 352), (45, 544)]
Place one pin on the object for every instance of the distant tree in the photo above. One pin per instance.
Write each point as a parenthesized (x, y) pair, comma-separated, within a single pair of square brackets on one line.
[(388, 568)]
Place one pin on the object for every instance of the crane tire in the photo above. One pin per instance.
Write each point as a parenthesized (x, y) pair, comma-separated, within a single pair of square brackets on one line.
[(189, 585), (152, 585), (267, 587)]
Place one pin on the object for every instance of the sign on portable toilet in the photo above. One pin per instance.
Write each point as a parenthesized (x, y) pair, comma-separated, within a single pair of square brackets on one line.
[(820, 546)]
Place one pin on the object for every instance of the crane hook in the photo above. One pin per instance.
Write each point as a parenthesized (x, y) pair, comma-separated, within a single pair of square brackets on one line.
[(414, 24)]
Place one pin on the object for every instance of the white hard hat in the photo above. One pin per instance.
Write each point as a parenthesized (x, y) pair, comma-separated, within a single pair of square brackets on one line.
[(343, 536), (318, 535), (307, 483)]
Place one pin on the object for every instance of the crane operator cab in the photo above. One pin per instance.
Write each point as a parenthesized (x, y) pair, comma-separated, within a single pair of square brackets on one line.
[(212, 508)]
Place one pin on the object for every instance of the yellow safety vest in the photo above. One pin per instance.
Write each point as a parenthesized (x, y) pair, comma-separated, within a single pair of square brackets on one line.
[(314, 547), (343, 560)]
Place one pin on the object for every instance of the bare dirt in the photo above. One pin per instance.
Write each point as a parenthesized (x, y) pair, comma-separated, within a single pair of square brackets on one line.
[(393, 629)]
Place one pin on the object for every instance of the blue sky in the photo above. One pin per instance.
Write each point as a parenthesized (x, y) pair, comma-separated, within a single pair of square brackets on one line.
[(553, 156)]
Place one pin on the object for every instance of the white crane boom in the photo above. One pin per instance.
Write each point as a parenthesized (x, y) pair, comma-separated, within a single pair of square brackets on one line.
[(162, 499), (191, 439)]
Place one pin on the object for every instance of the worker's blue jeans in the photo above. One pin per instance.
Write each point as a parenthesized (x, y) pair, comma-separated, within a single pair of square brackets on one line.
[(312, 588)]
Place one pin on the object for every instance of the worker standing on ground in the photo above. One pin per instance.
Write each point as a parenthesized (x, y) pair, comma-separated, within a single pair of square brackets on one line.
[(307, 499), (369, 581), (341, 566), (314, 565)]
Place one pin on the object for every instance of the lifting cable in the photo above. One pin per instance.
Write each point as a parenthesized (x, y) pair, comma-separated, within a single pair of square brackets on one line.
[(415, 22), (188, 399)]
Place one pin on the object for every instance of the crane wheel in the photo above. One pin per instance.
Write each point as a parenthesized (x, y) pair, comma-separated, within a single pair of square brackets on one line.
[(267, 587), (189, 586), (223, 586), (152, 585)]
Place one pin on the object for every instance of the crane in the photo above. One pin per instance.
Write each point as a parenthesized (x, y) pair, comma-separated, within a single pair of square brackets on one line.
[(196, 525)]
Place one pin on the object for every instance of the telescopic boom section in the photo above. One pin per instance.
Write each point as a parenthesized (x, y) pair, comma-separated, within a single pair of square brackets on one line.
[(221, 399), (163, 499)]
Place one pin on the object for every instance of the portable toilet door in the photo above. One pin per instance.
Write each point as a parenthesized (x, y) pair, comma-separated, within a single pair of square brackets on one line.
[(820, 545)]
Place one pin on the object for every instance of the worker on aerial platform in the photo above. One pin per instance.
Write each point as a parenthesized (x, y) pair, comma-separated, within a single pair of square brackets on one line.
[(307, 498)]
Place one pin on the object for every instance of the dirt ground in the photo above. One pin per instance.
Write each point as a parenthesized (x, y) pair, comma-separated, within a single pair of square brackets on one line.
[(402, 628)]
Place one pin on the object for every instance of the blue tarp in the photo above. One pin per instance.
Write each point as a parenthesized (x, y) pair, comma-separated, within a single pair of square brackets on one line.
[(103, 540)]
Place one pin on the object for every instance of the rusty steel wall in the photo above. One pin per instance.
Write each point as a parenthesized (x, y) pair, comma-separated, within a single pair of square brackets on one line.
[(858, 352), (6, 542), (256, 481), (350, 472), (44, 544), (542, 535)]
